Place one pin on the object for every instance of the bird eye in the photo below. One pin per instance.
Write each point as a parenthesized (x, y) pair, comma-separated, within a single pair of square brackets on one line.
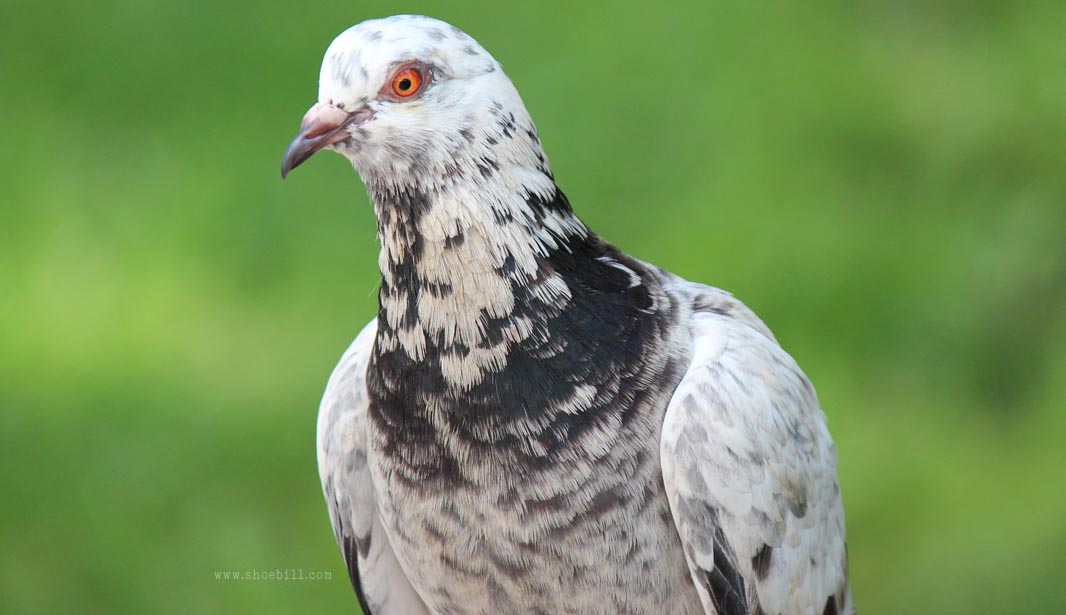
[(407, 82)]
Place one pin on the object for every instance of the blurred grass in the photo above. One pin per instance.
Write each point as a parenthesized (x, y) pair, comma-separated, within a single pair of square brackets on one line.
[(882, 182)]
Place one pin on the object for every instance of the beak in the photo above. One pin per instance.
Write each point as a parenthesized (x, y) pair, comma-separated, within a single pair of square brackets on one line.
[(323, 126)]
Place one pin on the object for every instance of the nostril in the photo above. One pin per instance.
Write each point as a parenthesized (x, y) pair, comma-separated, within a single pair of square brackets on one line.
[(322, 118), (317, 131)]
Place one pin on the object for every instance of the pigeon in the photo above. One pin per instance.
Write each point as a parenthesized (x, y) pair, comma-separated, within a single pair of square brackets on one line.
[(536, 422)]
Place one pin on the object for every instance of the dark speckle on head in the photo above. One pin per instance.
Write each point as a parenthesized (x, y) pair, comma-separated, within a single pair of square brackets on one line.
[(374, 36), (507, 128), (487, 166), (451, 171), (436, 34), (340, 70), (470, 50)]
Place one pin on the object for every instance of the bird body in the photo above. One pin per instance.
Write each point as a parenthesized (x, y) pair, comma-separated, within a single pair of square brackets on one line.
[(536, 422)]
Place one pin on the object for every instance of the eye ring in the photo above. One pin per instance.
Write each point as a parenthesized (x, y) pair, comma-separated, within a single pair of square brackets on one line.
[(407, 82)]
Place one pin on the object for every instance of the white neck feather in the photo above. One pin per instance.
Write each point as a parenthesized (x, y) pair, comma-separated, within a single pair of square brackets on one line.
[(453, 253)]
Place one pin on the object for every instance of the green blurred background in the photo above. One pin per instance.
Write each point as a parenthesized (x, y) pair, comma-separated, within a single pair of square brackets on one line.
[(884, 183)]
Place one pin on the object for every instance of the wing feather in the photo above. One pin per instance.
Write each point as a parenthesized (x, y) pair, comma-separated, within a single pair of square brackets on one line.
[(380, 583), (750, 471)]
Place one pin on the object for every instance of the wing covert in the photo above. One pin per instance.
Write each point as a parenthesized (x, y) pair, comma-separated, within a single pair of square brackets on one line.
[(750, 471)]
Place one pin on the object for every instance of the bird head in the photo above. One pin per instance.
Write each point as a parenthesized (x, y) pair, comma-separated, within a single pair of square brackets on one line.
[(413, 100)]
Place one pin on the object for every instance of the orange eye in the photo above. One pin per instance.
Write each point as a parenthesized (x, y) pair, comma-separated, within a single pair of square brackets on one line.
[(406, 82)]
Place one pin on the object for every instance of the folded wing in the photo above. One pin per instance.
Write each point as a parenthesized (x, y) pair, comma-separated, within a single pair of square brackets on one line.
[(750, 471), (380, 583)]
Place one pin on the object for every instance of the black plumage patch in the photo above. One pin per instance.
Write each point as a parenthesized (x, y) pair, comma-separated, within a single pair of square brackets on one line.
[(487, 167), (761, 562), (439, 289), (400, 208), (830, 606), (454, 241), (350, 550), (725, 583), (541, 206)]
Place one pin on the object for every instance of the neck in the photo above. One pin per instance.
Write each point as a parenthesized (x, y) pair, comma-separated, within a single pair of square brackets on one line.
[(467, 272)]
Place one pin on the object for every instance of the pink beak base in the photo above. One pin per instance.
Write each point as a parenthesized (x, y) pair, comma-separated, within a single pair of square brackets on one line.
[(322, 126)]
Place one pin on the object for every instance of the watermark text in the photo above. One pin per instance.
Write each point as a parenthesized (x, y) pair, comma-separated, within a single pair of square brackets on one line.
[(274, 574)]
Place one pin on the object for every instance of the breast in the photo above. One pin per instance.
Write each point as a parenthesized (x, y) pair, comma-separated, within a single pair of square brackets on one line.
[(591, 535)]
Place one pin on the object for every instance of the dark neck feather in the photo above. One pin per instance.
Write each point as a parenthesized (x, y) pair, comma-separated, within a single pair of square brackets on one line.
[(548, 366)]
